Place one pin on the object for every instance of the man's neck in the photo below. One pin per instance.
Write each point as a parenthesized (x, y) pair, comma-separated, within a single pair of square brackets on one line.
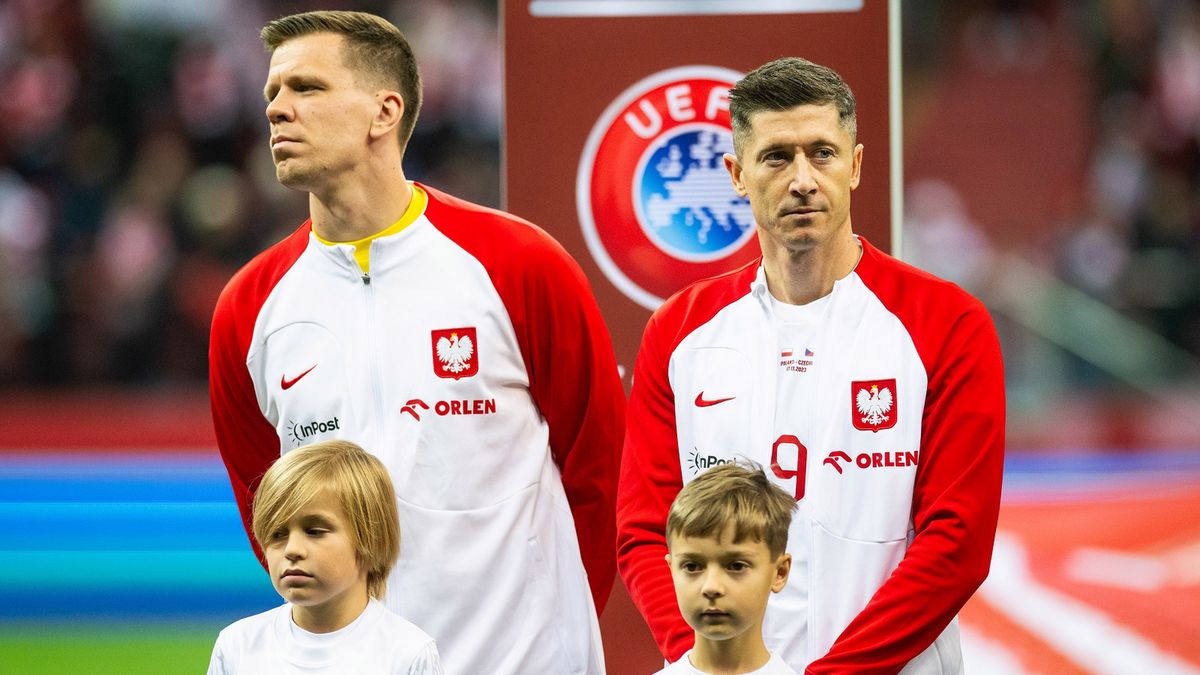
[(360, 208), (800, 277), (741, 654)]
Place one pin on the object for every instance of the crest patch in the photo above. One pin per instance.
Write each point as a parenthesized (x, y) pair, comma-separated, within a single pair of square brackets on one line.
[(455, 352), (873, 404)]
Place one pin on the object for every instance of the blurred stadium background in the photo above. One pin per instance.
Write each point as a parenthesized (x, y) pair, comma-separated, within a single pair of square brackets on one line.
[(1052, 167)]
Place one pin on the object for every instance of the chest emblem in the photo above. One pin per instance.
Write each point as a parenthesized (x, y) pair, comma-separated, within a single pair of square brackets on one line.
[(455, 354), (873, 404)]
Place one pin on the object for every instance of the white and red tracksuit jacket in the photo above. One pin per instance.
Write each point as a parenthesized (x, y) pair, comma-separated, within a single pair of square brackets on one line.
[(897, 501), (504, 453)]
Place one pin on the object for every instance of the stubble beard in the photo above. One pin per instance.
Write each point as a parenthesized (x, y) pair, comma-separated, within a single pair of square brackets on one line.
[(292, 176), (795, 241)]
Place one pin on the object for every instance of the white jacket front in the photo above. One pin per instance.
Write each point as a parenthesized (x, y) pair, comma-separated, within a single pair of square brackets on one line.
[(474, 363), (895, 462)]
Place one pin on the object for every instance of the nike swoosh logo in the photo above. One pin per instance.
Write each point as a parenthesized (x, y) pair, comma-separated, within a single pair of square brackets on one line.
[(287, 384), (701, 402)]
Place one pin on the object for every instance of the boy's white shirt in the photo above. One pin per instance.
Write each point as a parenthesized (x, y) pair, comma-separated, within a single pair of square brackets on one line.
[(378, 641), (774, 666)]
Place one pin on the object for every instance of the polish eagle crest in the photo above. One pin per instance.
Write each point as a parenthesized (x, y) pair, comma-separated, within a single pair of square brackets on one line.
[(455, 352), (874, 404)]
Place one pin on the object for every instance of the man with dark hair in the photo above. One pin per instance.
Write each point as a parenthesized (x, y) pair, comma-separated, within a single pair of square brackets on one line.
[(461, 344), (787, 83), (873, 391)]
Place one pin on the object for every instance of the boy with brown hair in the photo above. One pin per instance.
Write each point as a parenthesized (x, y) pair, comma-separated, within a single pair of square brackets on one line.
[(727, 538)]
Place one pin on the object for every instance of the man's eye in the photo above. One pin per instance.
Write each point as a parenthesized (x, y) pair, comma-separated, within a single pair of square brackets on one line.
[(823, 153), (689, 567), (738, 566)]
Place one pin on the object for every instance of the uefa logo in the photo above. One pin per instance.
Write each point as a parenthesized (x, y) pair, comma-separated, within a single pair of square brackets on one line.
[(655, 202)]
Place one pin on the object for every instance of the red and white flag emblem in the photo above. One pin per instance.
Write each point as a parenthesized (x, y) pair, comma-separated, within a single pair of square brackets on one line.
[(454, 352), (873, 404)]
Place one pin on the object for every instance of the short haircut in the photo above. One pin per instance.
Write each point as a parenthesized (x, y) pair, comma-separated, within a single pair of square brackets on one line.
[(374, 48), (362, 487), (784, 84), (733, 494)]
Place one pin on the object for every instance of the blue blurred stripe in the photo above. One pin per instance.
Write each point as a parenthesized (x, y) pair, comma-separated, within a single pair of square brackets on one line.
[(111, 466), (1081, 462), (123, 526), (117, 478), (101, 537), (105, 606), (166, 571), (160, 489), (1084, 475)]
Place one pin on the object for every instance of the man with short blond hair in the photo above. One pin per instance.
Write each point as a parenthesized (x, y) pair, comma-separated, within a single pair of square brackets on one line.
[(461, 344)]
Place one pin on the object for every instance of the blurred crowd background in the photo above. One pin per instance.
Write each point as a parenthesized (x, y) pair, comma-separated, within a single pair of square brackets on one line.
[(135, 174), (1052, 167)]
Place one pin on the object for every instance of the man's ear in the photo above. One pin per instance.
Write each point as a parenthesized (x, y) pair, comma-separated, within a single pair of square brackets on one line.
[(856, 167), (390, 112), (734, 167)]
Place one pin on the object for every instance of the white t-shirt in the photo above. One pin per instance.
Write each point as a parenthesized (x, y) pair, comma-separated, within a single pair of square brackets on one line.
[(797, 330), (377, 642), (684, 666)]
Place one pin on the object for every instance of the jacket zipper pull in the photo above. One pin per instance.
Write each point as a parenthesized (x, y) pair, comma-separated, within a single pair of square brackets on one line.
[(366, 279)]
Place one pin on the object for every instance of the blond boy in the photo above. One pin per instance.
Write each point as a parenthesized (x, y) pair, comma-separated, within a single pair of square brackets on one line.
[(726, 536), (325, 516)]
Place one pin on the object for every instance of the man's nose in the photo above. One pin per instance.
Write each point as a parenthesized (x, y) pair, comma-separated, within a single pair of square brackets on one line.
[(803, 180), (278, 109)]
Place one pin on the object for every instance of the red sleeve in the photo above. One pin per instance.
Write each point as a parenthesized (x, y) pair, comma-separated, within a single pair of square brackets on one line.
[(650, 472), (247, 441), (574, 382), (650, 479), (569, 359), (956, 497)]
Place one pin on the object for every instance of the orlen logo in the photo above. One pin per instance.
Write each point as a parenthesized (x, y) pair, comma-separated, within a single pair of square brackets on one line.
[(655, 202), (302, 431), (478, 406), (698, 462), (872, 460)]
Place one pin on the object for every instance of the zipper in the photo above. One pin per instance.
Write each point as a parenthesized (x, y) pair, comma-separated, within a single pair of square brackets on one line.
[(373, 355)]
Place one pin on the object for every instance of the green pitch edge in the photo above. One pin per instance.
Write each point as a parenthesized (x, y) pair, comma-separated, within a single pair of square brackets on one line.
[(128, 651)]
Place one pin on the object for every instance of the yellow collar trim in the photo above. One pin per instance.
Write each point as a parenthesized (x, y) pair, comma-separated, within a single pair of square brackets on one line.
[(362, 247)]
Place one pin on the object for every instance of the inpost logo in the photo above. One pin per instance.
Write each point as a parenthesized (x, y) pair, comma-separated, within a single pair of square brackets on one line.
[(300, 432), (698, 462)]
